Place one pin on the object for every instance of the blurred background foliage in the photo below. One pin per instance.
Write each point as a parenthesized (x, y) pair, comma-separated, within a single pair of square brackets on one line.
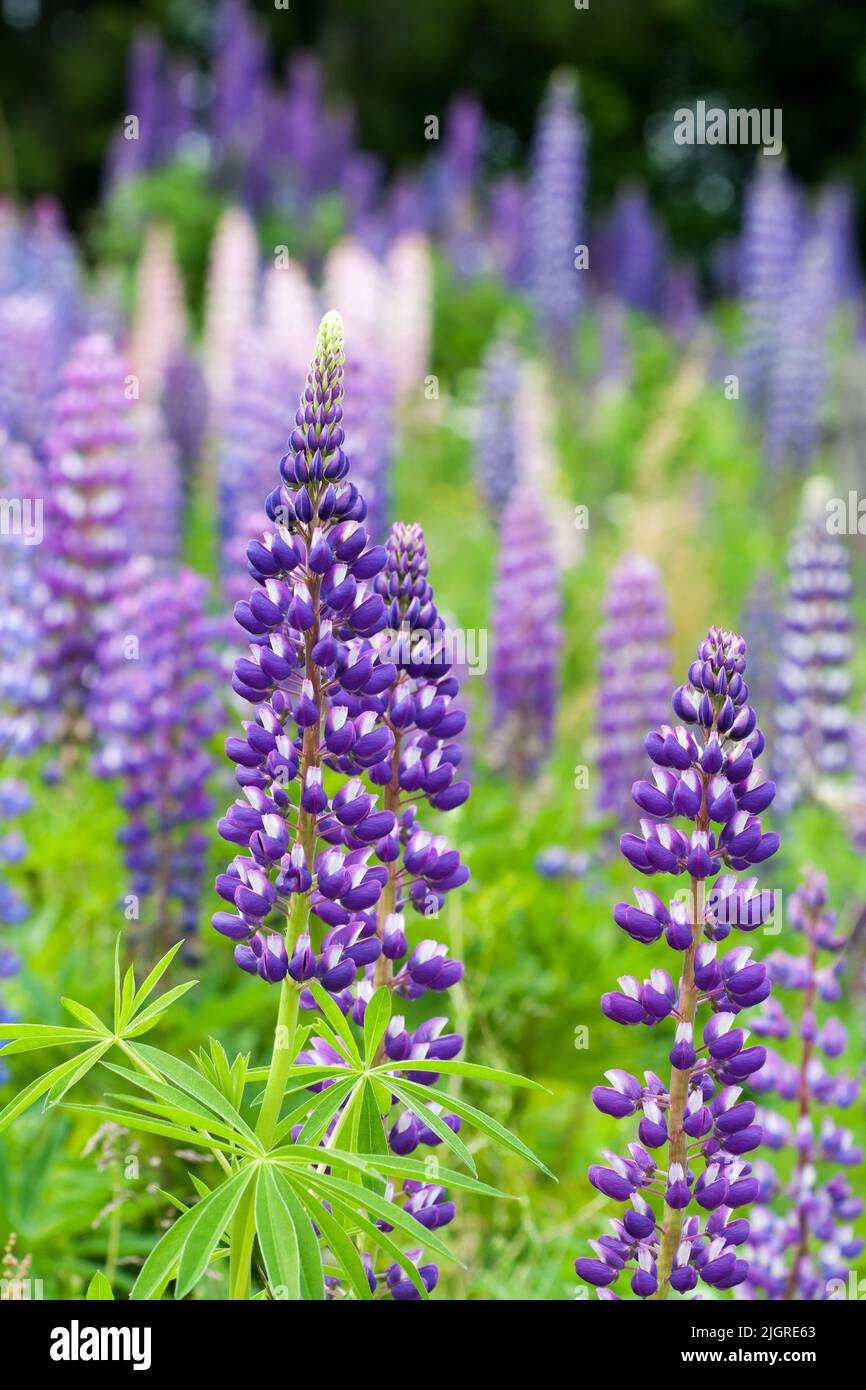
[(62, 82)]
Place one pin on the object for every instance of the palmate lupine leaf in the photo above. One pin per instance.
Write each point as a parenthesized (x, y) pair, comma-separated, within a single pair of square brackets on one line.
[(130, 1020), (154, 1125), (486, 1123), (202, 1224), (283, 1206)]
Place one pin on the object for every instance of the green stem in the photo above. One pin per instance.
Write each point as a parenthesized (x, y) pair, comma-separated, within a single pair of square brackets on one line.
[(281, 1061)]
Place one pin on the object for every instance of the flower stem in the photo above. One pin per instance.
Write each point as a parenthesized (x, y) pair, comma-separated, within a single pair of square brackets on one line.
[(679, 1094)]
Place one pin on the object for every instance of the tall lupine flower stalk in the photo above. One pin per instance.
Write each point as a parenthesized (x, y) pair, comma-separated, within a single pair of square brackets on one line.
[(159, 321), (157, 656), (330, 698), (814, 676), (704, 772), (798, 376), (525, 639), (90, 457), (498, 444), (555, 211), (798, 1252), (230, 298), (634, 677), (768, 253)]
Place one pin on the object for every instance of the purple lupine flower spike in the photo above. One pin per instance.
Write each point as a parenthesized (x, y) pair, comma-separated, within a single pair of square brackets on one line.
[(814, 677), (805, 1251), (311, 619), (769, 249), (526, 638), (499, 448), (799, 371), (634, 677), (87, 479), (635, 251), (158, 657), (705, 774), (555, 212)]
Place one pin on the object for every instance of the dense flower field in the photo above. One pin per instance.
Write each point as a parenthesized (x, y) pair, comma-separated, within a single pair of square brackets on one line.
[(433, 790)]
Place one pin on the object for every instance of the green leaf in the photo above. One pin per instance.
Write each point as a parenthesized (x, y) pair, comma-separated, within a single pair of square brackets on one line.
[(197, 1085), (117, 984), (85, 1062), (324, 1108), (209, 1218), (154, 977), (44, 1083), (159, 1266), (371, 1133), (131, 1120), (312, 1276), (13, 1049), (182, 1102), (45, 1030), (341, 1248), (485, 1123), (420, 1106), (147, 1019), (472, 1069), (380, 1238), (419, 1170), (376, 1018), (277, 1236), (86, 1016), (379, 1206), (176, 1115), (335, 1018), (126, 997), (99, 1289)]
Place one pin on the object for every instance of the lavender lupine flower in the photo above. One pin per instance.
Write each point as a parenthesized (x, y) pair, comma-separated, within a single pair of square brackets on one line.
[(155, 707), (634, 677), (23, 684), (251, 437), (90, 456), (769, 249), (155, 505), (798, 375), (836, 225), (799, 1251), (230, 296), (185, 406), (555, 211), (499, 447), (506, 231), (30, 345), (136, 149), (159, 323), (525, 638), (705, 772), (635, 251), (814, 678), (238, 73)]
